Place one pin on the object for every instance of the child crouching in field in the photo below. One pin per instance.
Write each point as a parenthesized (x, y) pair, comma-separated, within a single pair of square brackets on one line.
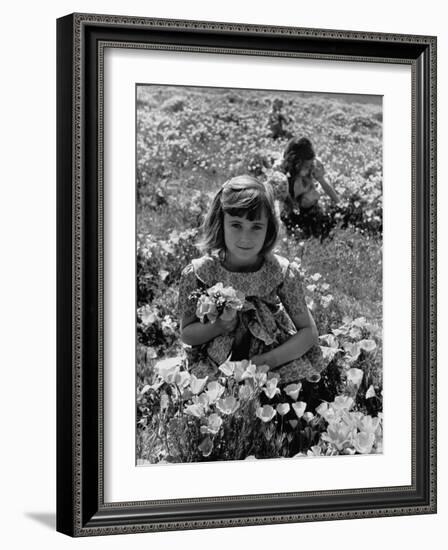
[(302, 169), (270, 323), (277, 121)]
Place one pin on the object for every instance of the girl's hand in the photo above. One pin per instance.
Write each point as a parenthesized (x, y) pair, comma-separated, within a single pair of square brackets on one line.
[(262, 359), (226, 327), (318, 170)]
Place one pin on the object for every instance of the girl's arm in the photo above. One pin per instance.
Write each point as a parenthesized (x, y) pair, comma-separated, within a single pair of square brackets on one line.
[(329, 189), (305, 338), (318, 173), (195, 333)]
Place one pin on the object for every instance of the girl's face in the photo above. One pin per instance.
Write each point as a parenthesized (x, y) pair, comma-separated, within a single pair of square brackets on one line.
[(305, 167), (244, 239)]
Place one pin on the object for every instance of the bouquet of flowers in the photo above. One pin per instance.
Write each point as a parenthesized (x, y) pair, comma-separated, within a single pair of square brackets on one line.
[(217, 302)]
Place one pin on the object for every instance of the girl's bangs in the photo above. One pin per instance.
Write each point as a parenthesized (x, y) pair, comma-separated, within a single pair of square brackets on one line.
[(247, 205)]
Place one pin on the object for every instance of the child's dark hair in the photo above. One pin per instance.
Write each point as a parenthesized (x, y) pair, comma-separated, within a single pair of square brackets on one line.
[(297, 151), (277, 104), (242, 196)]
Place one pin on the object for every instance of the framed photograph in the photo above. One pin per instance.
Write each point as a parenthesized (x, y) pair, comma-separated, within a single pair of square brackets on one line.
[(246, 274)]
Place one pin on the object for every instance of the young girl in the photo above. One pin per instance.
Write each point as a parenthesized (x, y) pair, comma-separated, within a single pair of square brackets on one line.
[(274, 326), (302, 169)]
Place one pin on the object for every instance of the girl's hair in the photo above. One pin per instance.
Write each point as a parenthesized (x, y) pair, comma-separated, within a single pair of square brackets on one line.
[(242, 196), (297, 151), (277, 103)]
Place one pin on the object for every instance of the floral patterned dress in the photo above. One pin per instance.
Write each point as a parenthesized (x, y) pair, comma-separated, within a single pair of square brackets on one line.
[(273, 295)]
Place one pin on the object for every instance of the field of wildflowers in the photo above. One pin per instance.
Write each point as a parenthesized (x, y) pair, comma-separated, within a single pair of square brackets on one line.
[(189, 141)]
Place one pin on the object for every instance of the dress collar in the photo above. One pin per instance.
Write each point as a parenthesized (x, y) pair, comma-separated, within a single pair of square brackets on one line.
[(209, 270)]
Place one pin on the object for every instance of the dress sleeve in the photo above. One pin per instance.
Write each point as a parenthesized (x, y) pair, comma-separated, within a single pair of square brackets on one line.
[(188, 283), (291, 292)]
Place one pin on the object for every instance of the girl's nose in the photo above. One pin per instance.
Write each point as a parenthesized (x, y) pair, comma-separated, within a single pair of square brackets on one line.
[(245, 237)]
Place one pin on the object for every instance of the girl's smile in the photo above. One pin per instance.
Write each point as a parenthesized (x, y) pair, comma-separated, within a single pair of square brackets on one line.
[(244, 240)]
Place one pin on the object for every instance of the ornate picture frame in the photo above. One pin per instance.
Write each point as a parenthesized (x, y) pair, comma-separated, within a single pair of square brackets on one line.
[(81, 506)]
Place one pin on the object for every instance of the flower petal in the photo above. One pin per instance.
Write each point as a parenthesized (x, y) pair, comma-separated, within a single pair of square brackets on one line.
[(299, 408), (228, 405), (265, 413), (367, 345), (355, 376), (194, 410), (283, 408), (197, 384), (293, 390), (363, 442), (206, 447)]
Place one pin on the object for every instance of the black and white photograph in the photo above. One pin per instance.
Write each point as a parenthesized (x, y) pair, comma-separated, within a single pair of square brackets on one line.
[(259, 266)]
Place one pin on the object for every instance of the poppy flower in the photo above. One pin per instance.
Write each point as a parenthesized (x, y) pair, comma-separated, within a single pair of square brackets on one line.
[(249, 372), (241, 369), (355, 376), (342, 402), (363, 442), (147, 314), (168, 368), (260, 378), (315, 450), (266, 413), (338, 434), (214, 422), (271, 389), (164, 402), (197, 384), (182, 379), (367, 345), (245, 392), (227, 368), (353, 350), (299, 408), (206, 308), (214, 392), (308, 416), (228, 405), (293, 390), (329, 340), (201, 400), (368, 424), (283, 408), (322, 408), (329, 353), (196, 410), (206, 447)]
